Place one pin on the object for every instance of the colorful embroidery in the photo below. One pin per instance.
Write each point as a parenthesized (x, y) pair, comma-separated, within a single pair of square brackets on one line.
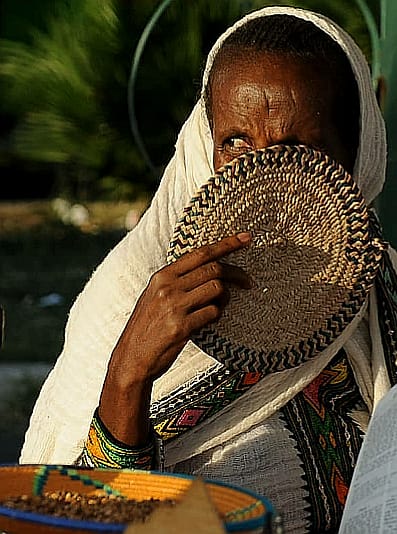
[(206, 398), (326, 439), (103, 450)]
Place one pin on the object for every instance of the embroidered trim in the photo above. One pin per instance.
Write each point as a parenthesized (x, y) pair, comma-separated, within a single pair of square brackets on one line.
[(207, 398), (386, 292), (326, 440)]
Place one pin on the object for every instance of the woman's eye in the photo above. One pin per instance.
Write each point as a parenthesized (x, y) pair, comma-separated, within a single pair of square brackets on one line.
[(236, 146)]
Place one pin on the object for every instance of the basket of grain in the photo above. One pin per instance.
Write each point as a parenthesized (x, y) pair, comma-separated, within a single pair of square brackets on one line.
[(44, 499)]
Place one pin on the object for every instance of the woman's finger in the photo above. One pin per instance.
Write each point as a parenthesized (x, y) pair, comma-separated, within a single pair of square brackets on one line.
[(212, 271), (203, 317), (209, 253), (210, 292)]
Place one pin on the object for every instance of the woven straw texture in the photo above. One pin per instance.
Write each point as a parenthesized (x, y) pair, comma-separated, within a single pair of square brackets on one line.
[(312, 260), (240, 509)]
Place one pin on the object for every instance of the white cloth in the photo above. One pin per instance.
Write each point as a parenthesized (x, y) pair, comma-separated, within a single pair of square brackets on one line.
[(63, 412), (257, 460)]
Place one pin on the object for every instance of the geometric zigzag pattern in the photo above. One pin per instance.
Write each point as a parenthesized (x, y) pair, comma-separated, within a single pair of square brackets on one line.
[(197, 403), (386, 291), (363, 251)]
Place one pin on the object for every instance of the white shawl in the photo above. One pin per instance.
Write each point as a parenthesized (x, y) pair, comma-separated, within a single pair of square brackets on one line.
[(63, 412)]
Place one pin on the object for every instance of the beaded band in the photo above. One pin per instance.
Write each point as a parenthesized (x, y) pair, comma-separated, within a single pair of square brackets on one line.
[(101, 449)]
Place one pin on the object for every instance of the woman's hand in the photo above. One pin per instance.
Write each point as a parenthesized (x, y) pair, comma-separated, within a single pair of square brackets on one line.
[(180, 299)]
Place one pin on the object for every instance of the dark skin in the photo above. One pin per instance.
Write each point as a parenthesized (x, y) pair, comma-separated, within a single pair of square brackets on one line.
[(269, 99), (260, 101)]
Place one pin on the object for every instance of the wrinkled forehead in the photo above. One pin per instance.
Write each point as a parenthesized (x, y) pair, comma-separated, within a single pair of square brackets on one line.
[(247, 76), (323, 24)]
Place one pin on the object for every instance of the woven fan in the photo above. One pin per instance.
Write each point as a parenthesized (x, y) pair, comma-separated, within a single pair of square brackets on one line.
[(312, 260)]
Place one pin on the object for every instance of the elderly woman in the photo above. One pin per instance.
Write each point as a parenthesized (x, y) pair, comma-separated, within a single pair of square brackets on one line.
[(279, 76)]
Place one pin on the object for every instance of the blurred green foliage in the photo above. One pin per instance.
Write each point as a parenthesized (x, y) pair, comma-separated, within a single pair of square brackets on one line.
[(65, 90), (61, 87), (388, 200)]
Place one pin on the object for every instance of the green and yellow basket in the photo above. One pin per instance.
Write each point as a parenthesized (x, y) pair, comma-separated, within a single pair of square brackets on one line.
[(240, 509)]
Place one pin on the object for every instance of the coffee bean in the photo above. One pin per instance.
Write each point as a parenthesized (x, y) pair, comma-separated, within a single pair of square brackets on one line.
[(72, 505)]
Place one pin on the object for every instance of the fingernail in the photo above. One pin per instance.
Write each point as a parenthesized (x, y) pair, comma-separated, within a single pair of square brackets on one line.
[(244, 237)]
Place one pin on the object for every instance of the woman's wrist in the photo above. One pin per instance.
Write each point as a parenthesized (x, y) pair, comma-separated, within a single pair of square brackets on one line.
[(124, 409), (102, 449)]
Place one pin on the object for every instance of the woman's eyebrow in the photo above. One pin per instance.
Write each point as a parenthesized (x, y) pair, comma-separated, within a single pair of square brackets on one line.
[(233, 131)]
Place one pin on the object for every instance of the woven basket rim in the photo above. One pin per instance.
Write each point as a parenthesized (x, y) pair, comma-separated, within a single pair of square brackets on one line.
[(169, 480)]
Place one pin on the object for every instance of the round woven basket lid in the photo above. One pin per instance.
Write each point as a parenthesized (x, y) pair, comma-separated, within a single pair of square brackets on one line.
[(312, 259)]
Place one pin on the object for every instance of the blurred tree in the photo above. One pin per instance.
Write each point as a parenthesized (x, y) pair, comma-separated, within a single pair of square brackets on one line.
[(388, 200), (66, 89), (63, 88)]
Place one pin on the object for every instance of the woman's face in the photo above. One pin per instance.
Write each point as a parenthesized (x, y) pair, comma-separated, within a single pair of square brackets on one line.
[(261, 99)]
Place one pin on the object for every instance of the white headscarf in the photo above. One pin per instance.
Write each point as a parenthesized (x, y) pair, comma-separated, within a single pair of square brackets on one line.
[(63, 412)]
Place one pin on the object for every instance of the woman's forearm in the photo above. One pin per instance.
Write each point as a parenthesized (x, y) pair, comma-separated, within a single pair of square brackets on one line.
[(180, 299), (124, 410)]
